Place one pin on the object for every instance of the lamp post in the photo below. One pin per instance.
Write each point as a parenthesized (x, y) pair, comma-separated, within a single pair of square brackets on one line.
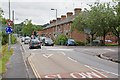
[(56, 22)]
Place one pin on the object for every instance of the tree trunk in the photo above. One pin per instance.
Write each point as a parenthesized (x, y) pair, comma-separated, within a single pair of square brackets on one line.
[(104, 39), (118, 40)]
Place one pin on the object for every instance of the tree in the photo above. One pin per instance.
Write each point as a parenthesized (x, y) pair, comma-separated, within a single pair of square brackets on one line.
[(98, 19), (1, 13), (29, 28), (115, 22)]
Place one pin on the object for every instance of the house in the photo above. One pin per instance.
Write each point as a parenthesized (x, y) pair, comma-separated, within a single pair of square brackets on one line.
[(63, 26)]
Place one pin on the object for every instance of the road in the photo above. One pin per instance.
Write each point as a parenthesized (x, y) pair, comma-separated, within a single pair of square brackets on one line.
[(71, 62)]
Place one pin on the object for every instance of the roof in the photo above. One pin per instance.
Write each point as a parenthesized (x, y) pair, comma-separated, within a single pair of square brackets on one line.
[(67, 20)]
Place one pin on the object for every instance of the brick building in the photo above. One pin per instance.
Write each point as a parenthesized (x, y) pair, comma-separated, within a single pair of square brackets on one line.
[(63, 26)]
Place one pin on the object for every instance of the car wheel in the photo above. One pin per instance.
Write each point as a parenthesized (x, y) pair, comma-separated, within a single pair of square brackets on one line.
[(39, 47), (30, 48)]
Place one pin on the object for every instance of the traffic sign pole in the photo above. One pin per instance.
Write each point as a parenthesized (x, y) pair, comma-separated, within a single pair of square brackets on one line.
[(9, 47), (9, 31)]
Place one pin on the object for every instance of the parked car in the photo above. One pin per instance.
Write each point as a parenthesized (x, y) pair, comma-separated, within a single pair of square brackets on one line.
[(22, 39), (48, 42), (97, 42), (70, 42), (34, 43), (27, 40)]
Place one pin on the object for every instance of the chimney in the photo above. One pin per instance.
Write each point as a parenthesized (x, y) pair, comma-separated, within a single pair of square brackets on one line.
[(77, 11), (69, 14), (63, 17), (58, 19), (51, 22), (54, 21)]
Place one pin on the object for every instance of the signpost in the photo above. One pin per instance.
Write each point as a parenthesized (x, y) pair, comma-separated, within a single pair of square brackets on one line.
[(9, 30)]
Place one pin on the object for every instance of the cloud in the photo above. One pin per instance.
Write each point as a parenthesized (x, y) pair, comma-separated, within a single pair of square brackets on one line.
[(39, 11)]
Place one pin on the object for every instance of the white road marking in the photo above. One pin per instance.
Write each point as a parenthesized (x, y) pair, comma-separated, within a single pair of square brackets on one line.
[(71, 59), (96, 71), (106, 71), (47, 55), (85, 75), (63, 53), (110, 50), (34, 69), (61, 49)]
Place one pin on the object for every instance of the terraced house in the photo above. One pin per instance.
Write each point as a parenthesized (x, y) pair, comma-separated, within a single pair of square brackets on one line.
[(63, 26)]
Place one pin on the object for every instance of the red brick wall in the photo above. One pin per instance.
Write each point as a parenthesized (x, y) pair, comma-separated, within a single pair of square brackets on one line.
[(78, 36)]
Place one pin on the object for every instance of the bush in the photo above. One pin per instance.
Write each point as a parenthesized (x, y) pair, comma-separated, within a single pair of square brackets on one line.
[(5, 38), (80, 43), (13, 39), (61, 39)]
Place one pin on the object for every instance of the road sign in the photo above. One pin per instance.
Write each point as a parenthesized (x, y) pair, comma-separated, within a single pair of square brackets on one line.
[(9, 22), (9, 30)]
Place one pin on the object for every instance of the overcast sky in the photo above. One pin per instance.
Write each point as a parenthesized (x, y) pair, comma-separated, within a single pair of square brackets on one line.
[(39, 11)]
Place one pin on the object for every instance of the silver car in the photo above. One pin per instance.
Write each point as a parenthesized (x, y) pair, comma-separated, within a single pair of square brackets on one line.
[(27, 40)]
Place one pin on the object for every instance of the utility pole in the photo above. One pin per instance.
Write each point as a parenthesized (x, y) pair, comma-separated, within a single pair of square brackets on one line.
[(9, 44), (13, 17), (9, 10)]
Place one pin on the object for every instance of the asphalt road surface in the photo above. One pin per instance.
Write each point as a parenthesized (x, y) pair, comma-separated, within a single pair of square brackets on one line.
[(71, 62)]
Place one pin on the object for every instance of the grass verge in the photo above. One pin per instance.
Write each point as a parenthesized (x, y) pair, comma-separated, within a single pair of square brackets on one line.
[(4, 58)]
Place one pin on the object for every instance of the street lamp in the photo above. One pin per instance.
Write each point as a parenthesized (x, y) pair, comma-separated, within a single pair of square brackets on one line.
[(56, 20)]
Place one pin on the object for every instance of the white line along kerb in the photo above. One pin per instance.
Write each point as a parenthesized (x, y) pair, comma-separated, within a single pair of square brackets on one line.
[(47, 55)]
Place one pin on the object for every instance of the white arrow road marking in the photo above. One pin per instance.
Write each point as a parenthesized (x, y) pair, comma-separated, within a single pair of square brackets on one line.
[(47, 55)]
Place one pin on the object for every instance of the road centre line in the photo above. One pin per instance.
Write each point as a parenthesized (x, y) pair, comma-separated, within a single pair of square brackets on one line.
[(71, 59), (105, 71), (95, 70)]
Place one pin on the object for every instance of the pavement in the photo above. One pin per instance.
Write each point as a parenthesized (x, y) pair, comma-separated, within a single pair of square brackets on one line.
[(112, 56), (17, 67)]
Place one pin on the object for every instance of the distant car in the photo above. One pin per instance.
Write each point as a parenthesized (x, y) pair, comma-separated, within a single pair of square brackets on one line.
[(108, 41), (48, 42), (70, 42), (22, 39), (27, 40), (97, 42), (34, 43)]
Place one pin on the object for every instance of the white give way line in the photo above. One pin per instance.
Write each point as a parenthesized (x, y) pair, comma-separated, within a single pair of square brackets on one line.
[(61, 49)]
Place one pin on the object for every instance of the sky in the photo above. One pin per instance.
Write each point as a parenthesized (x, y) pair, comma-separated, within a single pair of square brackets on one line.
[(39, 11)]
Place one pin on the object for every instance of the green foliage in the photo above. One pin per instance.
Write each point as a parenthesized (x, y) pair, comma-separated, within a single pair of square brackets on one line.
[(28, 27), (1, 13), (80, 43), (5, 38), (5, 57), (99, 19), (61, 39), (13, 39)]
